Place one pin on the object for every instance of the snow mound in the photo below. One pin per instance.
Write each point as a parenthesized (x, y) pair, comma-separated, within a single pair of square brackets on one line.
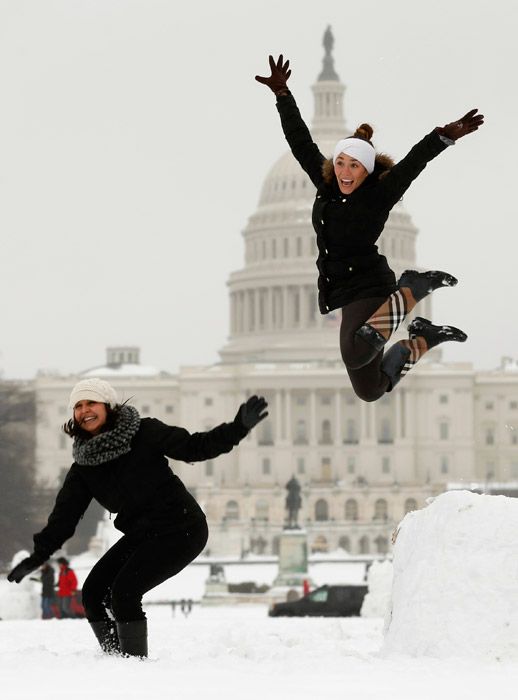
[(455, 588), (20, 601), (379, 581)]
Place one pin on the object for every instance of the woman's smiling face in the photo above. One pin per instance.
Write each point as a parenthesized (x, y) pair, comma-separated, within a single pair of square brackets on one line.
[(90, 415), (350, 173)]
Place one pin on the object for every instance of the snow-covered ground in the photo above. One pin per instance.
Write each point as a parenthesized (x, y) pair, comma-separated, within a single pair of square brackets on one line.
[(441, 624), (237, 653)]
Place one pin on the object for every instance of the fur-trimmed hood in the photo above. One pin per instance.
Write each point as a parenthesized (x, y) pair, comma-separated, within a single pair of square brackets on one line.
[(383, 164)]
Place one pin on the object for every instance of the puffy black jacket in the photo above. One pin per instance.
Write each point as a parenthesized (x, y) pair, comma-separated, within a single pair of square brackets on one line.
[(140, 485), (348, 227)]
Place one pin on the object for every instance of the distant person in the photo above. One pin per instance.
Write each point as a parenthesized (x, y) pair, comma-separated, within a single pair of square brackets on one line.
[(67, 587), (186, 606), (120, 459), (355, 191), (47, 579)]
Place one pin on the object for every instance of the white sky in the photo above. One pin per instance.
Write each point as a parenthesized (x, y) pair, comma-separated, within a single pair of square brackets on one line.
[(134, 142)]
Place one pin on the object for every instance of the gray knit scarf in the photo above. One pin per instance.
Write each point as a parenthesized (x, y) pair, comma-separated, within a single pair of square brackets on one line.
[(110, 445)]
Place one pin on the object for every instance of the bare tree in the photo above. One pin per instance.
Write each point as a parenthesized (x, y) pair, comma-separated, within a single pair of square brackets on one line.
[(17, 472)]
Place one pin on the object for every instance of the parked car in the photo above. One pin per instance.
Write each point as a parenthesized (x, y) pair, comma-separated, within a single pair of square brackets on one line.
[(327, 601)]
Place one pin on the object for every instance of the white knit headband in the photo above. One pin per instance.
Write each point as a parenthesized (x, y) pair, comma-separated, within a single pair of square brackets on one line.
[(358, 149)]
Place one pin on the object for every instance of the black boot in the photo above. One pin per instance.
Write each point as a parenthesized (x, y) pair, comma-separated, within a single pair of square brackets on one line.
[(422, 284), (393, 363), (133, 637), (434, 335), (106, 634)]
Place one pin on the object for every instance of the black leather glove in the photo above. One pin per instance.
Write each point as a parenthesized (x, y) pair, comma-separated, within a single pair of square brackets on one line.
[(280, 74), (251, 412), (25, 567), (469, 122)]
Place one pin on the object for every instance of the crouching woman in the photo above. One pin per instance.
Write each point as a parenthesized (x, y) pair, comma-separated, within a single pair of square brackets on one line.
[(120, 461)]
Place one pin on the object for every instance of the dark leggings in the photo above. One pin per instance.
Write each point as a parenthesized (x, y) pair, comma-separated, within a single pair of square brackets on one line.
[(362, 361), (133, 566)]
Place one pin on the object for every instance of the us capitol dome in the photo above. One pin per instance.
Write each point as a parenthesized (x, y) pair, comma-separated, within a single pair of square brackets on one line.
[(273, 299), (361, 466)]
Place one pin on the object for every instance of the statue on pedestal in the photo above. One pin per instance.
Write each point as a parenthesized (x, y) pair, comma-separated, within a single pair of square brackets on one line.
[(293, 504)]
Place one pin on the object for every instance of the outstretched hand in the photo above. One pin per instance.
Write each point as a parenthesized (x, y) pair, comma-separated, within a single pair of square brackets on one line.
[(25, 567), (279, 77), (252, 412), (468, 123)]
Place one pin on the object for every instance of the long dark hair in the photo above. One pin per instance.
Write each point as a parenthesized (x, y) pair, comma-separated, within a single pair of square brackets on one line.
[(73, 428)]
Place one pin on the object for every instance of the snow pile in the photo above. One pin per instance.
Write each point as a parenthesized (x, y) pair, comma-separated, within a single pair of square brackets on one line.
[(20, 601), (379, 581), (455, 589)]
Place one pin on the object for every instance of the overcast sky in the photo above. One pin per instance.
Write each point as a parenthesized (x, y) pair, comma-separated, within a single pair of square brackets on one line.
[(134, 142)]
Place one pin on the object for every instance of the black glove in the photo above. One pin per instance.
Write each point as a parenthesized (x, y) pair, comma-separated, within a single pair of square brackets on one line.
[(251, 412), (280, 74), (469, 122), (25, 567)]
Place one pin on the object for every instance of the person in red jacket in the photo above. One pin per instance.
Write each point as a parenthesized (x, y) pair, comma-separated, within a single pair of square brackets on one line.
[(67, 586)]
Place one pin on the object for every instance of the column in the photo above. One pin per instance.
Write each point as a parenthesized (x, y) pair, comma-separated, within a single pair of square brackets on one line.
[(256, 309), (338, 418), (304, 308), (364, 421), (232, 313), (312, 417), (372, 420), (285, 303), (279, 435), (269, 309), (287, 414), (398, 427)]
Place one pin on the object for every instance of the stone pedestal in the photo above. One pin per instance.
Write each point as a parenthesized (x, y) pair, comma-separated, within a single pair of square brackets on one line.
[(293, 563)]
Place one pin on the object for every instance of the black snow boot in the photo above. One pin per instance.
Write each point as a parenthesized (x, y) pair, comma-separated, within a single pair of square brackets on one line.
[(133, 638), (421, 284), (434, 335), (393, 363), (106, 634)]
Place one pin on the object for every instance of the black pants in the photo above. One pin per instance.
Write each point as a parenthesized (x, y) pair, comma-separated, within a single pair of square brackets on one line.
[(134, 566), (362, 361)]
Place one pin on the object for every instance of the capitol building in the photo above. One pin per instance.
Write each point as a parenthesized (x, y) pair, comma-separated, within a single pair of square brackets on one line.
[(361, 466)]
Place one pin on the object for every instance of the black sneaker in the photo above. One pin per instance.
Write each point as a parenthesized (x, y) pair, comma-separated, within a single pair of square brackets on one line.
[(434, 335), (422, 284)]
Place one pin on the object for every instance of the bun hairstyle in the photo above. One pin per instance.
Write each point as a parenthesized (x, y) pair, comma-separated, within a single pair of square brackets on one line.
[(364, 132), (383, 162)]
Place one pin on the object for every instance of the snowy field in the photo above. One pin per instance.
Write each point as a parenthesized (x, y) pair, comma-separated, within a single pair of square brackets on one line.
[(231, 653)]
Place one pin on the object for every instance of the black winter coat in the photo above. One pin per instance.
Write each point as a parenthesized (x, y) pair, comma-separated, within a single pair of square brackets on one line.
[(347, 227), (139, 485)]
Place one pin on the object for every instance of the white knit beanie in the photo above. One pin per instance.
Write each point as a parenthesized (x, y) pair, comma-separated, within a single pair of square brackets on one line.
[(93, 389), (359, 149)]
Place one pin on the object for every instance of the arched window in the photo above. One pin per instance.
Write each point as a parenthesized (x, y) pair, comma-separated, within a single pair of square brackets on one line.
[(351, 434), (381, 545), (320, 544), (385, 431), (258, 545), (344, 543), (232, 510), (321, 510), (351, 509), (326, 432), (300, 432), (410, 505), (364, 545), (266, 434), (262, 511), (380, 509)]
